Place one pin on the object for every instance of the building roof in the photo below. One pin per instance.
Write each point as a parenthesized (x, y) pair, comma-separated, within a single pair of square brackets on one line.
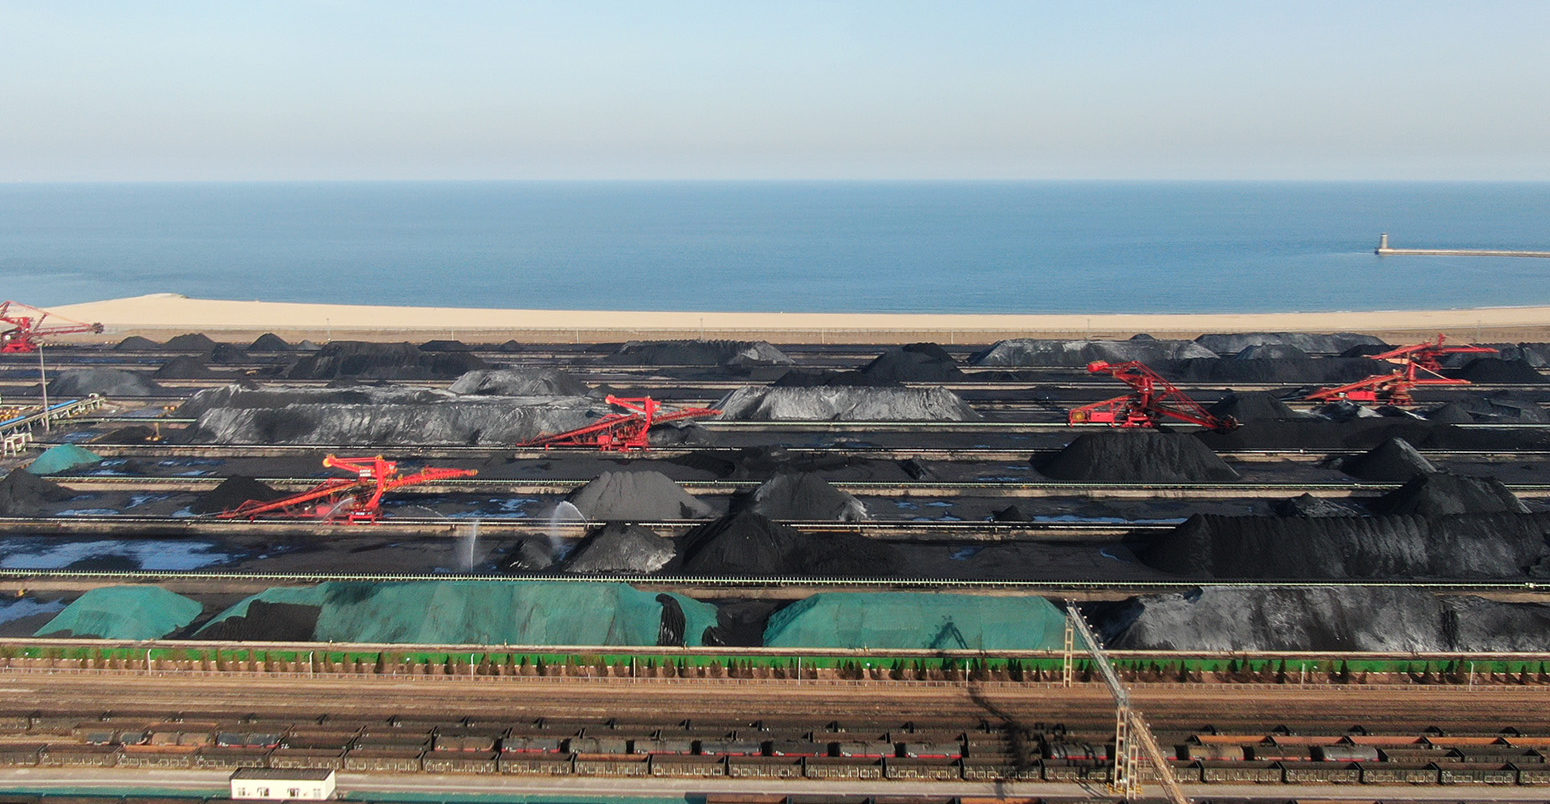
[(283, 774)]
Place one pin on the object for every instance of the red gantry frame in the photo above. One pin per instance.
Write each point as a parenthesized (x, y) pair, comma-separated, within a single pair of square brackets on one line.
[(1152, 400), (624, 431), (355, 500), (26, 329), (1419, 365)]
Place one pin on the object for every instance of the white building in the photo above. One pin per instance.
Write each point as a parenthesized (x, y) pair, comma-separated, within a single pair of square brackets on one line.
[(278, 784)]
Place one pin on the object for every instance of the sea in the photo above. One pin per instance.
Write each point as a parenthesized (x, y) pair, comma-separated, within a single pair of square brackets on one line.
[(926, 247)]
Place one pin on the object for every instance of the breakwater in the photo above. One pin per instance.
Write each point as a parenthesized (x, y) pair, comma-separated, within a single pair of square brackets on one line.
[(1383, 250)]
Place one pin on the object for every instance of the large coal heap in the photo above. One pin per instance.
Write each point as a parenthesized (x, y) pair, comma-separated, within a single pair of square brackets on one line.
[(1309, 342), (1501, 546), (1308, 505), (23, 493), (1136, 456), (800, 378), (1393, 461), (232, 492), (267, 622), (377, 416), (1443, 493), (619, 548), (136, 343), (804, 495), (190, 342), (915, 362), (745, 543), (839, 403), (104, 381), (1496, 370), (1253, 406), (185, 367), (1050, 353), (382, 361), (1321, 370), (1271, 351), (732, 354), (519, 382), (1352, 618), (269, 342), (636, 496)]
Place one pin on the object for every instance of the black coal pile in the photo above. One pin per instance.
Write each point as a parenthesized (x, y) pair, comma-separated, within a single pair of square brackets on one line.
[(1488, 370), (227, 353), (1352, 618), (1271, 351), (804, 495), (1011, 513), (185, 367), (519, 382), (1031, 352), (530, 554), (104, 381), (1366, 350), (618, 548), (23, 493), (1322, 370), (369, 415), (445, 346), (1506, 407), (1535, 354), (732, 354), (745, 543), (135, 343), (1309, 342), (915, 362), (382, 361), (1468, 546), (267, 622), (1309, 505), (801, 378), (189, 342), (636, 497), (1393, 461), (232, 492), (133, 434), (838, 403), (1136, 456), (1252, 406), (269, 342), (1449, 413), (1444, 493)]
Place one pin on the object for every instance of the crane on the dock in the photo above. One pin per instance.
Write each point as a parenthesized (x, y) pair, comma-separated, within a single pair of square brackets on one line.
[(622, 431), (1151, 399), (354, 500), (1420, 364), (27, 328)]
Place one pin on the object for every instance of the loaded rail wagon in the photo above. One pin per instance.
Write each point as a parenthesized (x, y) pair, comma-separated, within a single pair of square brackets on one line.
[(666, 746), (866, 749), (1078, 752), (931, 750), (798, 748), (730, 748)]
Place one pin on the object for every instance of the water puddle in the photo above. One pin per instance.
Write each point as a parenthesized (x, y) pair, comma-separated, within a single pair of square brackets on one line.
[(150, 554)]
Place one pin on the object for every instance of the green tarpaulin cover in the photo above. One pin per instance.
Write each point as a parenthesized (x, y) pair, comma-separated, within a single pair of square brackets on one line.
[(487, 612), (917, 620), (125, 612), (62, 458)]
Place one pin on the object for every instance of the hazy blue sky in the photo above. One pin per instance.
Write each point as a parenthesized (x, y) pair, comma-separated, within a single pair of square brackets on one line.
[(348, 89)]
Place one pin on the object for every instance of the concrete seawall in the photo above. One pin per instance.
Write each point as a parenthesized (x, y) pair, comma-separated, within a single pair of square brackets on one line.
[(1383, 250)]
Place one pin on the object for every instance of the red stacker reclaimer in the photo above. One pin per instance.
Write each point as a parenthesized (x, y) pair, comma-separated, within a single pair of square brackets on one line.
[(26, 327), (1420, 365), (354, 500), (622, 431), (1152, 400)]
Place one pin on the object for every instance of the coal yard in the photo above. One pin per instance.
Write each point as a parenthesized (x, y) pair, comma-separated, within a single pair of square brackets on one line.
[(1285, 559)]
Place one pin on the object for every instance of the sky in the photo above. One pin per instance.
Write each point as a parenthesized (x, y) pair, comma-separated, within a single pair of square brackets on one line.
[(954, 89)]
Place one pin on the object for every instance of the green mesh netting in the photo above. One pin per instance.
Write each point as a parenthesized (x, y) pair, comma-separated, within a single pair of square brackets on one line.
[(62, 458), (917, 620), (487, 613), (125, 612)]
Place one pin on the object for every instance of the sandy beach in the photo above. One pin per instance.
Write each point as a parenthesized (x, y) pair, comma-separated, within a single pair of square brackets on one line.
[(165, 314)]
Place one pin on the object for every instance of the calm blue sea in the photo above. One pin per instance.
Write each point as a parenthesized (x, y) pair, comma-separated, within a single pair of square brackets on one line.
[(1088, 247)]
